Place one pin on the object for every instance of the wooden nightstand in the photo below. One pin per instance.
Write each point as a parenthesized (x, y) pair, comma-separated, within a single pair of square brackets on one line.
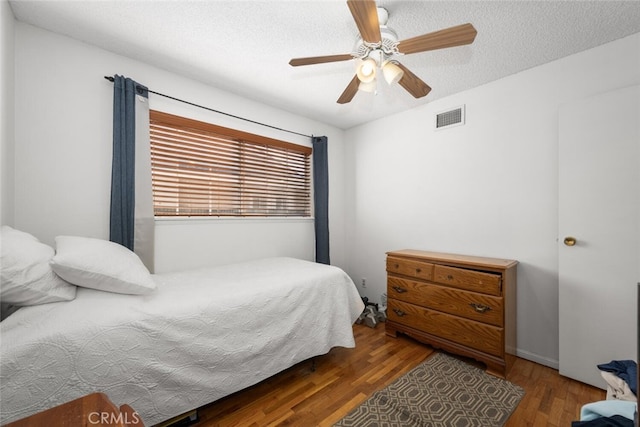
[(91, 410)]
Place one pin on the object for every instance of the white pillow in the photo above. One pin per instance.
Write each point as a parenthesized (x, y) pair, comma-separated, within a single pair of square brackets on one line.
[(100, 264), (27, 277)]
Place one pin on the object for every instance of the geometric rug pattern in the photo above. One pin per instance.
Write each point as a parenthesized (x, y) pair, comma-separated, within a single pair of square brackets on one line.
[(442, 391)]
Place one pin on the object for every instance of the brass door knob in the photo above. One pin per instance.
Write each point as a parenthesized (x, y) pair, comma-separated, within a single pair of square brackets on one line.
[(570, 241)]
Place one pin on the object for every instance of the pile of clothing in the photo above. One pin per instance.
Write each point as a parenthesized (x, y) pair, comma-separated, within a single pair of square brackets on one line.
[(620, 408), (621, 377)]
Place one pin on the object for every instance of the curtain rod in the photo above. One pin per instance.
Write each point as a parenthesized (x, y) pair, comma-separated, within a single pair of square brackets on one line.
[(111, 79)]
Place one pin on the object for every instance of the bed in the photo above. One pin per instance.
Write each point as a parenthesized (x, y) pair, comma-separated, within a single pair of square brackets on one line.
[(198, 336)]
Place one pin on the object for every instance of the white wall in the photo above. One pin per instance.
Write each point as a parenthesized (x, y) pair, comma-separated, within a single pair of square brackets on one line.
[(7, 24), (63, 117), (487, 188), (225, 241)]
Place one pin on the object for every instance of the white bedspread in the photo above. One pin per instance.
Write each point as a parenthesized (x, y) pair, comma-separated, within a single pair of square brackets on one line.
[(203, 334)]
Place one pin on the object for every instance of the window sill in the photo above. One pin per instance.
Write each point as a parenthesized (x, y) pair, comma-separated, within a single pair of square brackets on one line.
[(203, 219)]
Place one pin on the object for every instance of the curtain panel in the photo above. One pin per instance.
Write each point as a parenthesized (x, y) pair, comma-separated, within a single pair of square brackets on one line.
[(321, 197), (131, 219)]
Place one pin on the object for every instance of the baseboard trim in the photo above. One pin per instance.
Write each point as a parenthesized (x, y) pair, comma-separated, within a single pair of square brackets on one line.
[(552, 363)]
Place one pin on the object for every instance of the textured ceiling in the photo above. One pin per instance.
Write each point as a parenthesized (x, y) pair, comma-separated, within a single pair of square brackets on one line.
[(244, 46)]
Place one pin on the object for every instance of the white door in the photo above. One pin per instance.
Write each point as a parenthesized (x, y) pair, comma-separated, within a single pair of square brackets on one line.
[(599, 206)]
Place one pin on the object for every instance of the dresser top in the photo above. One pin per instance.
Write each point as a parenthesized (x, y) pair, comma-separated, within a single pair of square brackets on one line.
[(468, 260)]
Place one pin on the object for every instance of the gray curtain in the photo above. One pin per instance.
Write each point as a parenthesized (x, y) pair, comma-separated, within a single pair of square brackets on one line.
[(321, 197), (131, 221)]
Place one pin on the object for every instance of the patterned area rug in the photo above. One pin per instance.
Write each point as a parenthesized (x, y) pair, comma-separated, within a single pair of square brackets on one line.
[(442, 391)]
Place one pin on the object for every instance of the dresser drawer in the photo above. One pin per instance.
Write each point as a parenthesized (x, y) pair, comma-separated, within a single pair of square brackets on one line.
[(480, 336), (408, 267), (471, 280), (472, 305)]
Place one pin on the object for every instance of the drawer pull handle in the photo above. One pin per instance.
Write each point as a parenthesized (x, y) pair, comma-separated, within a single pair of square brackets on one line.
[(449, 277), (480, 308), (396, 266), (418, 270), (399, 290), (400, 313)]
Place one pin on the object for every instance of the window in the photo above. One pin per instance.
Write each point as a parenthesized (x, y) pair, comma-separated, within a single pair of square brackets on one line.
[(200, 169)]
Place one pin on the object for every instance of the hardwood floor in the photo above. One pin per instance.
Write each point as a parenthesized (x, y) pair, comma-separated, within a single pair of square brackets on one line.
[(344, 378)]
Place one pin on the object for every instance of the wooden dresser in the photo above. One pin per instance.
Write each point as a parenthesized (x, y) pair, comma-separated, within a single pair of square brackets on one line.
[(463, 304)]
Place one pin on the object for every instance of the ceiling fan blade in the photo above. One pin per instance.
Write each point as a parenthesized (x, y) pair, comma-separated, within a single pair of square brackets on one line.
[(295, 62), (365, 13), (350, 91), (449, 37), (412, 83)]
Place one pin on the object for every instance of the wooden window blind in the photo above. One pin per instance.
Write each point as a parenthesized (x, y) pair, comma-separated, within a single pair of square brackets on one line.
[(200, 169)]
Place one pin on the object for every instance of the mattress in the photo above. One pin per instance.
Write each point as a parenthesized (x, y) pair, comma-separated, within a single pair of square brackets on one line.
[(202, 335)]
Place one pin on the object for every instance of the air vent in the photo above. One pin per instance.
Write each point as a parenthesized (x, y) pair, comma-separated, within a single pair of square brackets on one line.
[(447, 119)]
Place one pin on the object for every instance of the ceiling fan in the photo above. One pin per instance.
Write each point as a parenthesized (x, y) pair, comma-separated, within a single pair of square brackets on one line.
[(378, 45)]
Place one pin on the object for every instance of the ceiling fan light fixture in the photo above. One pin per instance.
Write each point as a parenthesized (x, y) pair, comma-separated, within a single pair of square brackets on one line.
[(391, 72), (371, 87), (376, 45), (366, 70)]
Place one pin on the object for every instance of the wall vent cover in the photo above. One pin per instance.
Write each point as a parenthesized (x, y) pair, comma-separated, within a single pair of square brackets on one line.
[(447, 119)]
